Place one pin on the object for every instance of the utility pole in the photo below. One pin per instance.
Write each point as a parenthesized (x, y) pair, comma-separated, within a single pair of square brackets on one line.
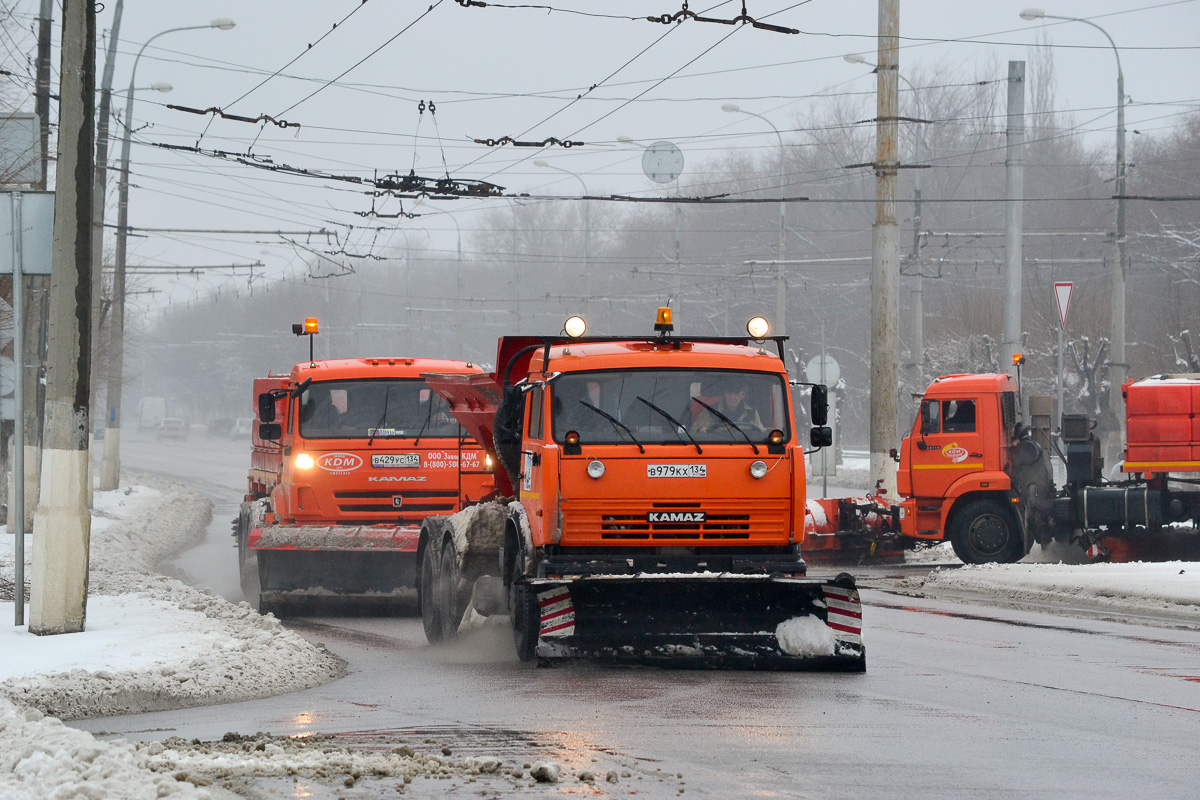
[(885, 260), (1014, 193), (34, 312), (61, 524), (1117, 363), (42, 100), (108, 466)]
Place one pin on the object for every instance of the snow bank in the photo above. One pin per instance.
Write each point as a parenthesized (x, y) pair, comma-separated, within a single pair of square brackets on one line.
[(151, 642), (40, 758), (1172, 587)]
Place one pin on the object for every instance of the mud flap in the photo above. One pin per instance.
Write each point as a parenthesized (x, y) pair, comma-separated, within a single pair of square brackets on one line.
[(702, 622)]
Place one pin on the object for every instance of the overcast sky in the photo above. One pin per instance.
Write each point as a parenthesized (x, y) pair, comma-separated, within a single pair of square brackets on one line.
[(496, 71)]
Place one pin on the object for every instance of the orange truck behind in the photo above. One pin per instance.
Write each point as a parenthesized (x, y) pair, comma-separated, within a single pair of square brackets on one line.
[(348, 458), (972, 471)]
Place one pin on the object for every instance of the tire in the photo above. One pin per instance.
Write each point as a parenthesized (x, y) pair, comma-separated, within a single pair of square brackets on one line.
[(450, 605), (526, 622), (523, 611), (985, 532), (427, 592)]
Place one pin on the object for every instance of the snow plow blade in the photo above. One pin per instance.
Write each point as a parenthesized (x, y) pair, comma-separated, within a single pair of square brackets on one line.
[(708, 621), (310, 569)]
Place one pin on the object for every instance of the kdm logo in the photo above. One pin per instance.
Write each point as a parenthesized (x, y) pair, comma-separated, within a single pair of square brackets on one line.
[(339, 462), (954, 452)]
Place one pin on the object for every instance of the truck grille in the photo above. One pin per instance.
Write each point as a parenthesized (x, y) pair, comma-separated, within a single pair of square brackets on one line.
[(725, 520), (378, 506)]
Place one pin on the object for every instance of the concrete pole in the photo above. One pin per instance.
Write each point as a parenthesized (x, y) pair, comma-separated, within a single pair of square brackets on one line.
[(98, 197), (34, 314), (1119, 367), (516, 269), (885, 261), (458, 292), (61, 524), (17, 499), (42, 101), (1014, 192), (678, 290)]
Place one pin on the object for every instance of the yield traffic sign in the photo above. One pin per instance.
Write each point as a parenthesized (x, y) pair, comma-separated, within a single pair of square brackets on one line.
[(1062, 296)]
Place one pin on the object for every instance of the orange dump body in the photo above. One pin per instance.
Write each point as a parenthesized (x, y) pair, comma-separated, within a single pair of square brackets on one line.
[(1162, 423)]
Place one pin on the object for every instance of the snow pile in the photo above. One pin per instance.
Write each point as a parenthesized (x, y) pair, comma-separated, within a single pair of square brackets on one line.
[(327, 758), (151, 642), (40, 757), (805, 636), (1172, 587), (478, 529)]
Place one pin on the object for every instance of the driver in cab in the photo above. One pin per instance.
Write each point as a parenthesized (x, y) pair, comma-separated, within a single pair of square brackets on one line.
[(732, 403)]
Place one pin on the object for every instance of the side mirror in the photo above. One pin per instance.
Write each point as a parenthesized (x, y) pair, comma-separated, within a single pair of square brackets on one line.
[(819, 405), (270, 431), (266, 408), (821, 436)]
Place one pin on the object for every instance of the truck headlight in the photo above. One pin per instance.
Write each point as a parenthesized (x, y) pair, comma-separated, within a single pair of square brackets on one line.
[(595, 469), (304, 461), (758, 469)]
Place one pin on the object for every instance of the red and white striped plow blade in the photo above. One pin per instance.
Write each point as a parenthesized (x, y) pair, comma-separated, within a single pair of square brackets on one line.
[(557, 612), (844, 613)]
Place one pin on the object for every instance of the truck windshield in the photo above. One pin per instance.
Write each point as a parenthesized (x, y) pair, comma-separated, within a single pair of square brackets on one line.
[(710, 406), (382, 409)]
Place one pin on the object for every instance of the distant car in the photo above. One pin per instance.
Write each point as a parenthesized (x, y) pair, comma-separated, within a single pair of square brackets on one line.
[(221, 426), (171, 428), (242, 427)]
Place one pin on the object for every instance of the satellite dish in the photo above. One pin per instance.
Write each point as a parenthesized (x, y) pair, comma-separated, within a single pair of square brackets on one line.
[(662, 162)]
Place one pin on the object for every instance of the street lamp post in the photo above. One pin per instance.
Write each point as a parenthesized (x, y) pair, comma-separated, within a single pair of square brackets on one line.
[(1117, 363), (110, 466), (917, 335), (780, 280), (587, 233)]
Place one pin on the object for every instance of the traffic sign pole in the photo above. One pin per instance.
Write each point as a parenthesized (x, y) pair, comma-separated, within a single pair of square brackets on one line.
[(1062, 298)]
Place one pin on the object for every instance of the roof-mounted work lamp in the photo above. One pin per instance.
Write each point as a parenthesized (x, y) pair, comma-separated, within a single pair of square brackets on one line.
[(307, 328)]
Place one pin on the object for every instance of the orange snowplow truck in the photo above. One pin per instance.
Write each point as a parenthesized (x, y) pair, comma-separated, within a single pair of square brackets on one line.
[(974, 473), (653, 507), (349, 457)]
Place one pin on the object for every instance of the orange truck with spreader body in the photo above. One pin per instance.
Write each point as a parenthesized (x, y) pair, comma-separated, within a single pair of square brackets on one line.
[(348, 458), (975, 472)]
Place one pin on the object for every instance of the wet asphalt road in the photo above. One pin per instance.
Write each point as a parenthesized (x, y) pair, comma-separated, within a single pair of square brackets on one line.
[(958, 700)]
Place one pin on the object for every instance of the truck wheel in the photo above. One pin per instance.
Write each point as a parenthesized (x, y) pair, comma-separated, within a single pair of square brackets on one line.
[(984, 532), (427, 593), (526, 622), (450, 605)]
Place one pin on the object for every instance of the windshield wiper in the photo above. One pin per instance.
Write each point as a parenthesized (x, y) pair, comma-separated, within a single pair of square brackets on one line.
[(428, 416), (679, 426), (728, 422), (387, 394), (615, 422)]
